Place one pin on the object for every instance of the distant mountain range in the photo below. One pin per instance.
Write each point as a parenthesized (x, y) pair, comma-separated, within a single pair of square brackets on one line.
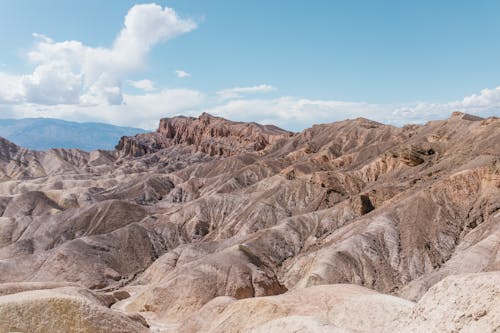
[(46, 133)]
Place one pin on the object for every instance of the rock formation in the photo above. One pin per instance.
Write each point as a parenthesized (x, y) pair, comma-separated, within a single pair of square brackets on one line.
[(207, 134), (209, 225)]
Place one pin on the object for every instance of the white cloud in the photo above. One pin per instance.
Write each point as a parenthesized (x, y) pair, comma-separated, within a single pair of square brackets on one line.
[(146, 85), (182, 74), (70, 72), (53, 83), (485, 98), (298, 113), (288, 112), (237, 92)]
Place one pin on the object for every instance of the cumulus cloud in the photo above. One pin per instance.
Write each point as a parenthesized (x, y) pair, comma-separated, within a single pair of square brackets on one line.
[(486, 98), (70, 72), (182, 74), (53, 83), (238, 92), (146, 85), (11, 88)]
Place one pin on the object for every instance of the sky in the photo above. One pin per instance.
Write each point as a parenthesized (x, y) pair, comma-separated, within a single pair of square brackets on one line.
[(289, 63)]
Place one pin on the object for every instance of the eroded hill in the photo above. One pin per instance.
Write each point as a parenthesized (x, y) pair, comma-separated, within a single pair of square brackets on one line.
[(208, 225)]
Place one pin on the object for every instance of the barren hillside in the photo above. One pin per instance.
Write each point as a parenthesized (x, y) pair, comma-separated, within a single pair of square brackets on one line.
[(209, 225)]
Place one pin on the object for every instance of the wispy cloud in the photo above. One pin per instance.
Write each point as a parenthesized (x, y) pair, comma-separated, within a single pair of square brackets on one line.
[(182, 74), (238, 92), (42, 38)]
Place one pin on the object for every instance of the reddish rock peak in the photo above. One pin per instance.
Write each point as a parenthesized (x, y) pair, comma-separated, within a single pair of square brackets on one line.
[(209, 134), (464, 116)]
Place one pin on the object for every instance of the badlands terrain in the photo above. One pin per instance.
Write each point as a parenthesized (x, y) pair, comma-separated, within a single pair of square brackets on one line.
[(209, 225)]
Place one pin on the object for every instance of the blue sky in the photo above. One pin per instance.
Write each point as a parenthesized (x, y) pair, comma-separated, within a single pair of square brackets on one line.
[(293, 63)]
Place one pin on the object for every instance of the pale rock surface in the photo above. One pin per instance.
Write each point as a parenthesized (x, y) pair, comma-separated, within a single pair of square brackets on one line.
[(61, 311), (347, 307), (302, 324), (463, 303)]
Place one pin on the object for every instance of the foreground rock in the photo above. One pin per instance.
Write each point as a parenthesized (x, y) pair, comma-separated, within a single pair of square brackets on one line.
[(62, 310), (463, 303), (347, 307)]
